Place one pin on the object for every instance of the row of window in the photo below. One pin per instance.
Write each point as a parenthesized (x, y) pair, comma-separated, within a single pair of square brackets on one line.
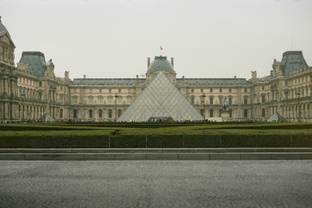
[(212, 113), (216, 89), (100, 113), (221, 100), (298, 80), (104, 100), (105, 90), (29, 82)]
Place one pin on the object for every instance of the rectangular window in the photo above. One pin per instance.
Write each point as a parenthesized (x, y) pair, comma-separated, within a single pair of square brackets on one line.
[(75, 113), (245, 101), (245, 113), (100, 113), (202, 100), (211, 113), (90, 114), (263, 99), (61, 113), (211, 100)]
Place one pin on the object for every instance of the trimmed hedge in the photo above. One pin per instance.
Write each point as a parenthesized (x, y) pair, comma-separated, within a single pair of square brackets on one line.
[(157, 141)]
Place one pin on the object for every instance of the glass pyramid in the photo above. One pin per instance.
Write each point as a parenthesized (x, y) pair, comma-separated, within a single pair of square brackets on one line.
[(160, 99)]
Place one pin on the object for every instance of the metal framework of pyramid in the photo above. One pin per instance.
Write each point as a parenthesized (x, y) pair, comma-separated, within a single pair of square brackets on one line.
[(160, 99)]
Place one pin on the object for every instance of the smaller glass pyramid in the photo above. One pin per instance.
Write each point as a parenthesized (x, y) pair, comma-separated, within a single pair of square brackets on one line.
[(160, 99)]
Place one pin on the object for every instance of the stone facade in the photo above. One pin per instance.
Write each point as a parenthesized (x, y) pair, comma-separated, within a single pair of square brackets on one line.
[(30, 91)]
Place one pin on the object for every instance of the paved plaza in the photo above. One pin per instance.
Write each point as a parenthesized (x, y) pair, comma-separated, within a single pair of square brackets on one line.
[(156, 184)]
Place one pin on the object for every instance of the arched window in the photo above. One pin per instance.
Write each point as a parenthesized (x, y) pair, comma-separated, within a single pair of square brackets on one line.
[(74, 99), (90, 99), (101, 99), (110, 99)]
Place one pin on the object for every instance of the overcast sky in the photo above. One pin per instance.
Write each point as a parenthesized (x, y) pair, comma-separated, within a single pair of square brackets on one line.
[(207, 38)]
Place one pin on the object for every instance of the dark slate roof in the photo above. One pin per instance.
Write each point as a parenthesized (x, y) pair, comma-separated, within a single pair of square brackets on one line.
[(35, 61), (265, 79), (160, 63), (293, 62), (108, 81), (212, 81), (188, 81), (3, 30)]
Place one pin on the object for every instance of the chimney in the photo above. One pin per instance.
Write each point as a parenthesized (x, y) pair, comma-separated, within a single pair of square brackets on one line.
[(172, 61), (148, 62), (253, 75), (84, 76)]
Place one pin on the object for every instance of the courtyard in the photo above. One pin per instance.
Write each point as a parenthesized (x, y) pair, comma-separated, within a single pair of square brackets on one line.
[(94, 184)]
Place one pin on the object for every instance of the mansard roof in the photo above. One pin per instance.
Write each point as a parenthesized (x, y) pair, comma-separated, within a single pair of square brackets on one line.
[(212, 81), (293, 62), (4, 31), (188, 81), (35, 61), (108, 81)]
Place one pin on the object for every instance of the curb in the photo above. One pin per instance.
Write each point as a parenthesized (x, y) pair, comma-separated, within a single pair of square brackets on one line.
[(160, 156)]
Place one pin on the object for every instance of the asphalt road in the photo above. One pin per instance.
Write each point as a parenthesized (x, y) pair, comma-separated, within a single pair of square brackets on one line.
[(156, 184)]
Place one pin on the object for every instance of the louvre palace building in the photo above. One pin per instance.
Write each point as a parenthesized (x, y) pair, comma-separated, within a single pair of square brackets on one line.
[(30, 91)]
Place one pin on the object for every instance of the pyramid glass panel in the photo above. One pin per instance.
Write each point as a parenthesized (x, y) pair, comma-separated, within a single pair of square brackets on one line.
[(161, 99)]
